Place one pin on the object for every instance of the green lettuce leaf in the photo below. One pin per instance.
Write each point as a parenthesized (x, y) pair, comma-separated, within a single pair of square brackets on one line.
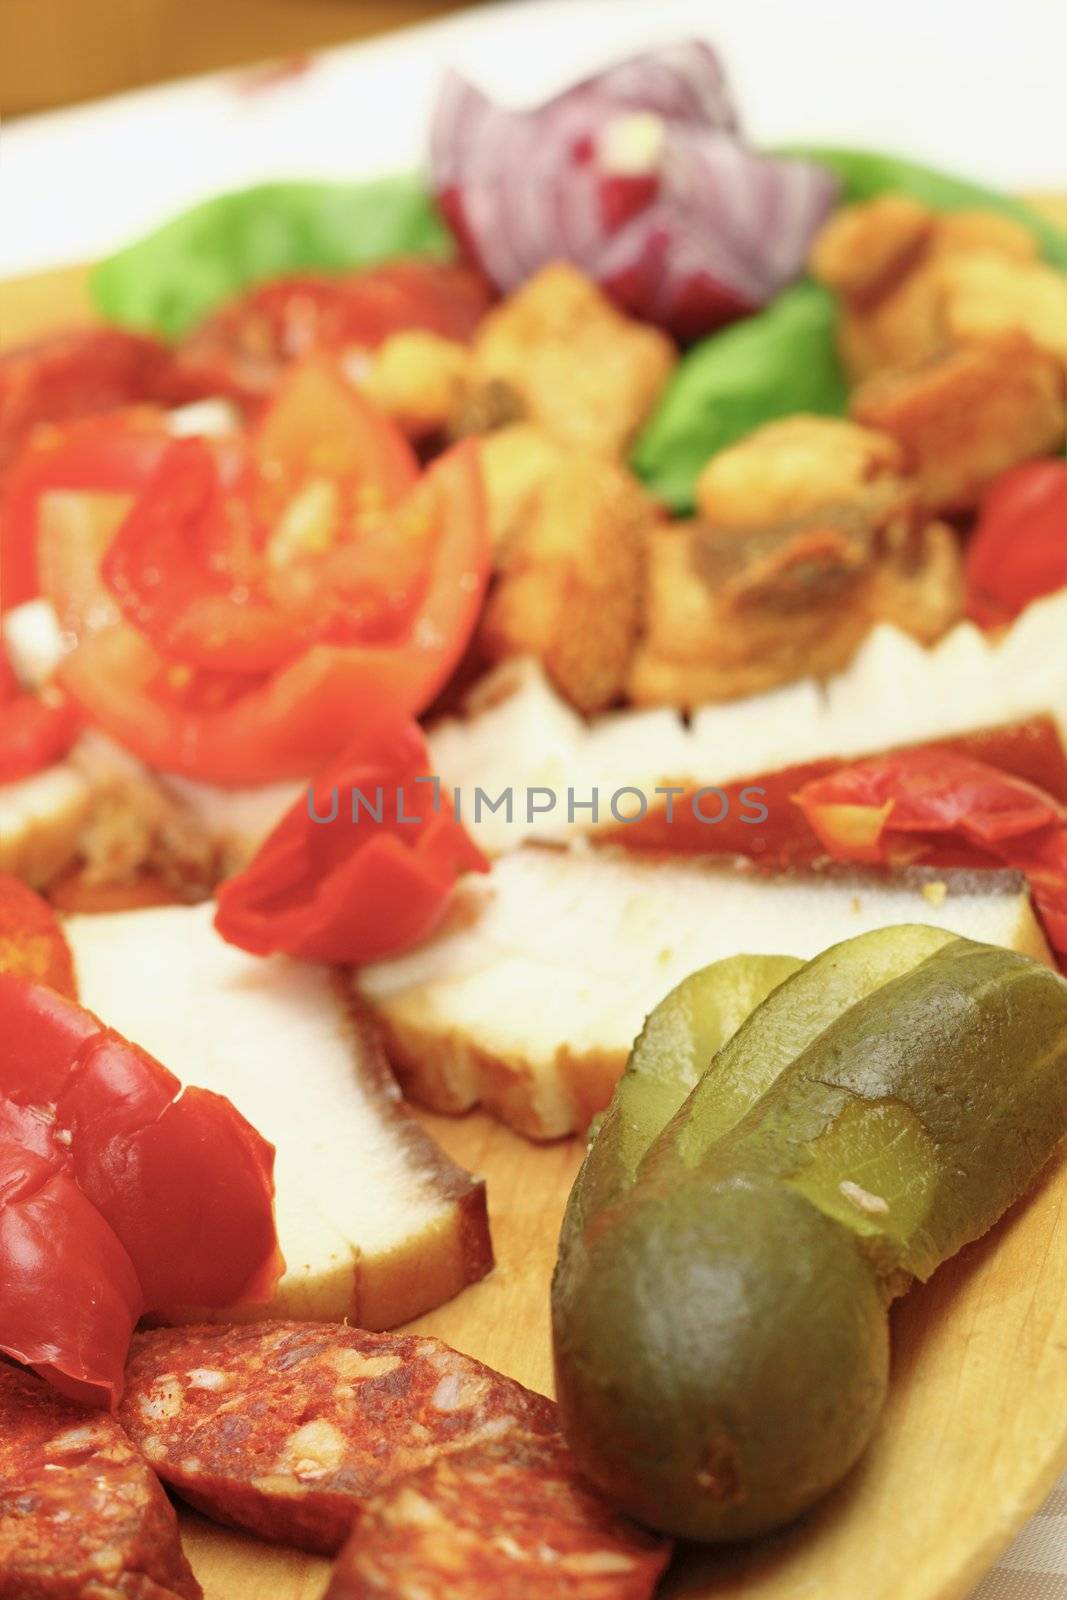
[(166, 282)]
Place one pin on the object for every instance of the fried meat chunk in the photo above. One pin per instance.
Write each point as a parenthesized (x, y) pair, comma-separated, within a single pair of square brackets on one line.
[(570, 588), (901, 270), (966, 414), (798, 465), (728, 615), (581, 369)]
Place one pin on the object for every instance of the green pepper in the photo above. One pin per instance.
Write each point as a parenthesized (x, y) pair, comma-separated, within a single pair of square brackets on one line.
[(168, 281)]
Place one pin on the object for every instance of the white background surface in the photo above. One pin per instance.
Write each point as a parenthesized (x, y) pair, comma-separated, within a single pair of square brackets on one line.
[(976, 85)]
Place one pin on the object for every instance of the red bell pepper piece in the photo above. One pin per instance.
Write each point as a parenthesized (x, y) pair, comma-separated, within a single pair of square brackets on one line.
[(155, 1198), (69, 1295), (361, 867)]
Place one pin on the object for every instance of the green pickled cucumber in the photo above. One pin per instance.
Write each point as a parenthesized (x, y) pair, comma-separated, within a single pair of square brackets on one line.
[(668, 1059), (720, 1300)]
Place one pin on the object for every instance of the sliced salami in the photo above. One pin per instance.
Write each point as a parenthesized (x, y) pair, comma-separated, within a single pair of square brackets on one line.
[(82, 1517), (288, 1429), (507, 1521)]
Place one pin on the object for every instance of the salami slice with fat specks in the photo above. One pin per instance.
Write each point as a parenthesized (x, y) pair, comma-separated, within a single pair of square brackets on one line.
[(288, 1429), (506, 1521), (82, 1517)]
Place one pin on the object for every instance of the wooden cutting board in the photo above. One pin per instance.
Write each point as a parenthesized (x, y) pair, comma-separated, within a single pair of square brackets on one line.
[(972, 1440), (975, 1432)]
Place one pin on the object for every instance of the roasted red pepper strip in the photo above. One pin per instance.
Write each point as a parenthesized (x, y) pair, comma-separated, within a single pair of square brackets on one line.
[(31, 940), (69, 1294), (1019, 549), (906, 807), (169, 1190), (362, 867)]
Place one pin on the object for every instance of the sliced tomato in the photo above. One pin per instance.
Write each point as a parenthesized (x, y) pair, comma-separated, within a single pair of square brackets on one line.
[(9, 684), (904, 808), (113, 454), (78, 373), (35, 731), (1019, 549), (243, 349), (243, 576), (364, 865), (241, 731), (32, 943), (319, 424)]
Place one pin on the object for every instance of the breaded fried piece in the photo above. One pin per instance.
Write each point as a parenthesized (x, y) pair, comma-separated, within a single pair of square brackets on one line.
[(917, 582), (860, 248), (581, 369), (728, 616), (900, 328), (986, 295), (796, 465), (570, 593), (887, 259), (421, 380), (963, 416), (516, 461), (134, 828), (961, 233)]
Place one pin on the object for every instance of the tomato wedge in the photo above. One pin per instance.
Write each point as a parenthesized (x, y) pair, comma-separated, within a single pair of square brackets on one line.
[(78, 373), (361, 867), (167, 1195), (113, 454), (32, 942), (237, 730), (243, 349), (35, 731), (906, 807), (1019, 549), (242, 576)]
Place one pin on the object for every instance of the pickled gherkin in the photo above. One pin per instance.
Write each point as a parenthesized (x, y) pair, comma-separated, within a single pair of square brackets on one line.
[(737, 1233)]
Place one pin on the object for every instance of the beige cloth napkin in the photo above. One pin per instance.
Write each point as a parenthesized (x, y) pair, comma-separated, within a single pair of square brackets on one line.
[(1035, 1567)]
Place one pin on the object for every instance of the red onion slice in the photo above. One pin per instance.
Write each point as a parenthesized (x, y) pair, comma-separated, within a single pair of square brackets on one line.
[(640, 177)]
